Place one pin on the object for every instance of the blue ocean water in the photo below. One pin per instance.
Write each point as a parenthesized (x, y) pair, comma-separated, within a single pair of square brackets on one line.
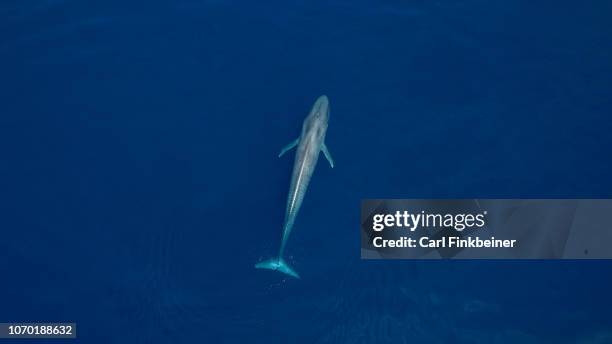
[(140, 182)]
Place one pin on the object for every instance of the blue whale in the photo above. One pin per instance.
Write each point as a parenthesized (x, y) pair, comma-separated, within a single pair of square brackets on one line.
[(309, 144)]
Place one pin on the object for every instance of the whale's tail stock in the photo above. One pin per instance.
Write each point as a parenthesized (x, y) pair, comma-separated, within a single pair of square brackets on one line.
[(277, 264)]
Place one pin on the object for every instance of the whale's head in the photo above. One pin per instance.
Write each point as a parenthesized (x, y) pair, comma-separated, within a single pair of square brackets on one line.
[(321, 109), (315, 124)]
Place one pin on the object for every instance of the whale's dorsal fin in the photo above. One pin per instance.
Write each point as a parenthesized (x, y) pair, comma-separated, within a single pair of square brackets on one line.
[(327, 155), (289, 147)]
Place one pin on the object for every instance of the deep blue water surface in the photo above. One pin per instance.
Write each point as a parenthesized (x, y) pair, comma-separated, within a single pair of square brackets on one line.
[(140, 183)]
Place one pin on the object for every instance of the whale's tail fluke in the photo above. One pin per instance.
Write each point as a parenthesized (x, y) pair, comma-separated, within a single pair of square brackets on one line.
[(277, 264)]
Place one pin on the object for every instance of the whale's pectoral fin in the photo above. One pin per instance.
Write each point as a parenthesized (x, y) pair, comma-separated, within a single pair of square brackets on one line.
[(289, 147), (327, 155)]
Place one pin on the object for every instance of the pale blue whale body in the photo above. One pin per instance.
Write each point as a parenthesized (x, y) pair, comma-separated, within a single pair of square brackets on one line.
[(309, 144)]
